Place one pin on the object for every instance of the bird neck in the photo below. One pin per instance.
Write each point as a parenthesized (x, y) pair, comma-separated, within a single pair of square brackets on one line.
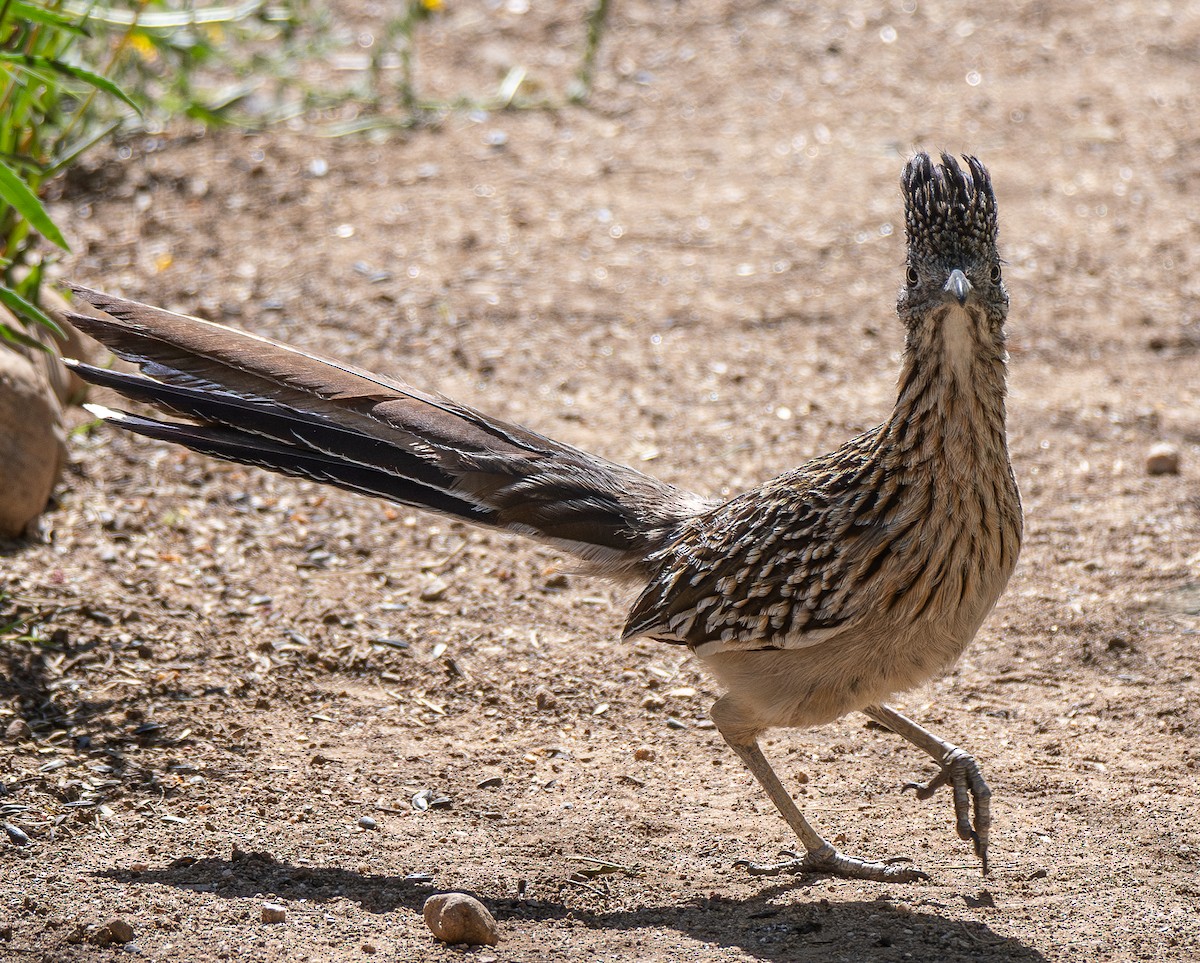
[(952, 389)]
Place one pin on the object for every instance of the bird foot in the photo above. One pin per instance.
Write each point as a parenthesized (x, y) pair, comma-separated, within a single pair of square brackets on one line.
[(827, 861), (961, 772)]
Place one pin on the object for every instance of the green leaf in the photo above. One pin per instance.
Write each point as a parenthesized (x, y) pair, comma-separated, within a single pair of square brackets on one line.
[(13, 336), (31, 62), (26, 309), (25, 203), (72, 152), (51, 18)]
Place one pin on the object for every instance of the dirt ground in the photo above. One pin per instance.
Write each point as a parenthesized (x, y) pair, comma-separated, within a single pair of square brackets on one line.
[(695, 274)]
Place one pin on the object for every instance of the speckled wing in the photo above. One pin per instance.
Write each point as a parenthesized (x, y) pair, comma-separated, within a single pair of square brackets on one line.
[(774, 567)]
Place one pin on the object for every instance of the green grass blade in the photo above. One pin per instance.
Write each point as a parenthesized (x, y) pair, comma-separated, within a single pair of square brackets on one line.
[(25, 203), (50, 18), (22, 308), (13, 336), (71, 153), (33, 63)]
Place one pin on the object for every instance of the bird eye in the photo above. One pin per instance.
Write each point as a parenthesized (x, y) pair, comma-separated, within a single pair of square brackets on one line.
[(911, 276), (995, 274)]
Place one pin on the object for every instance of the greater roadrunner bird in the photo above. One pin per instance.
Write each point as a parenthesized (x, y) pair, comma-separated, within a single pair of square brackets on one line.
[(857, 575)]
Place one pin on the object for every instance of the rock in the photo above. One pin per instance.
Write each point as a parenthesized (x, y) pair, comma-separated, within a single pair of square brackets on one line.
[(1162, 459), (545, 699), (274, 913), (434, 590), (17, 730), (16, 835), (116, 930), (33, 443), (644, 754), (366, 822), (459, 918)]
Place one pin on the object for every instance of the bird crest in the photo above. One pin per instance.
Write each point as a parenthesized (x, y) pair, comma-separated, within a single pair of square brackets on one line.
[(949, 211)]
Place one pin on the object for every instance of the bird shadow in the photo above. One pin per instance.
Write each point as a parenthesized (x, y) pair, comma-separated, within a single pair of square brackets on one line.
[(762, 925)]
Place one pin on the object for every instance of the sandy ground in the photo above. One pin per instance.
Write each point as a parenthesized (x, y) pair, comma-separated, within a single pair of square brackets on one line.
[(695, 274)]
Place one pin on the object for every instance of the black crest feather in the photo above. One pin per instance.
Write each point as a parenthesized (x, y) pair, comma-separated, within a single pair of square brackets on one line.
[(949, 211)]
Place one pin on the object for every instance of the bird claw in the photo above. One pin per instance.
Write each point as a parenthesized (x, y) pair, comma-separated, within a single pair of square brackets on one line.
[(829, 862), (961, 772), (926, 790)]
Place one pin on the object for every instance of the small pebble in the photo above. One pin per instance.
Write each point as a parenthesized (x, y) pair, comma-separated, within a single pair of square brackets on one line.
[(545, 699), (17, 730), (459, 918), (16, 834), (1162, 459), (274, 913), (116, 930), (435, 590), (368, 823), (644, 754)]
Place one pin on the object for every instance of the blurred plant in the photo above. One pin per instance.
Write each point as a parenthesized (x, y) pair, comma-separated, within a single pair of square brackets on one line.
[(403, 29), (44, 98), (53, 108), (206, 62), (597, 20), (398, 46), (73, 72)]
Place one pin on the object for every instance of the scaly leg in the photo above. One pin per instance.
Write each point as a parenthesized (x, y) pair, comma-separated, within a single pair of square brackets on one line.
[(959, 770), (819, 855)]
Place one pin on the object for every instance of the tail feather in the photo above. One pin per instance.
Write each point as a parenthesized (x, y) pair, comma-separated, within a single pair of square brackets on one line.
[(260, 402), (262, 420), (251, 449)]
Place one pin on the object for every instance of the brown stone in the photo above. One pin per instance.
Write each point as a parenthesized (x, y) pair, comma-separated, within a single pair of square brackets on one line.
[(17, 730), (116, 930), (33, 442), (459, 918), (1162, 459)]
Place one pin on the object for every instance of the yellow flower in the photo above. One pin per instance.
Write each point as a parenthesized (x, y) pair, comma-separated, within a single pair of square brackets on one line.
[(144, 46), (432, 5)]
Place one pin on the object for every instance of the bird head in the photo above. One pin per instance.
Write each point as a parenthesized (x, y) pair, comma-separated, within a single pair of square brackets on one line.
[(952, 267)]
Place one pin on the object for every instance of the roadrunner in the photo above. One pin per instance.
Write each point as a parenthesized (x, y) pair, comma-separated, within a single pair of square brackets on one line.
[(857, 575)]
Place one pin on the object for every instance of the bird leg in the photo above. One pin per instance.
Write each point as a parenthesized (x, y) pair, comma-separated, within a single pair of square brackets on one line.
[(820, 856), (959, 770)]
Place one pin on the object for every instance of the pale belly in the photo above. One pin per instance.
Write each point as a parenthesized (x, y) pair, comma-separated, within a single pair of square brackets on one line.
[(803, 687)]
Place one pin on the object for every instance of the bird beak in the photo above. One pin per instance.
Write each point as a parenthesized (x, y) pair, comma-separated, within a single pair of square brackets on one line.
[(958, 285)]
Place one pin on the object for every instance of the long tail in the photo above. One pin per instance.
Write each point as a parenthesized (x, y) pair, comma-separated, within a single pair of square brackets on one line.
[(259, 402)]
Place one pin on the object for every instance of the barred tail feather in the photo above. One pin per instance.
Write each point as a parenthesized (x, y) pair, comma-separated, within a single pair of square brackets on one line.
[(259, 402)]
